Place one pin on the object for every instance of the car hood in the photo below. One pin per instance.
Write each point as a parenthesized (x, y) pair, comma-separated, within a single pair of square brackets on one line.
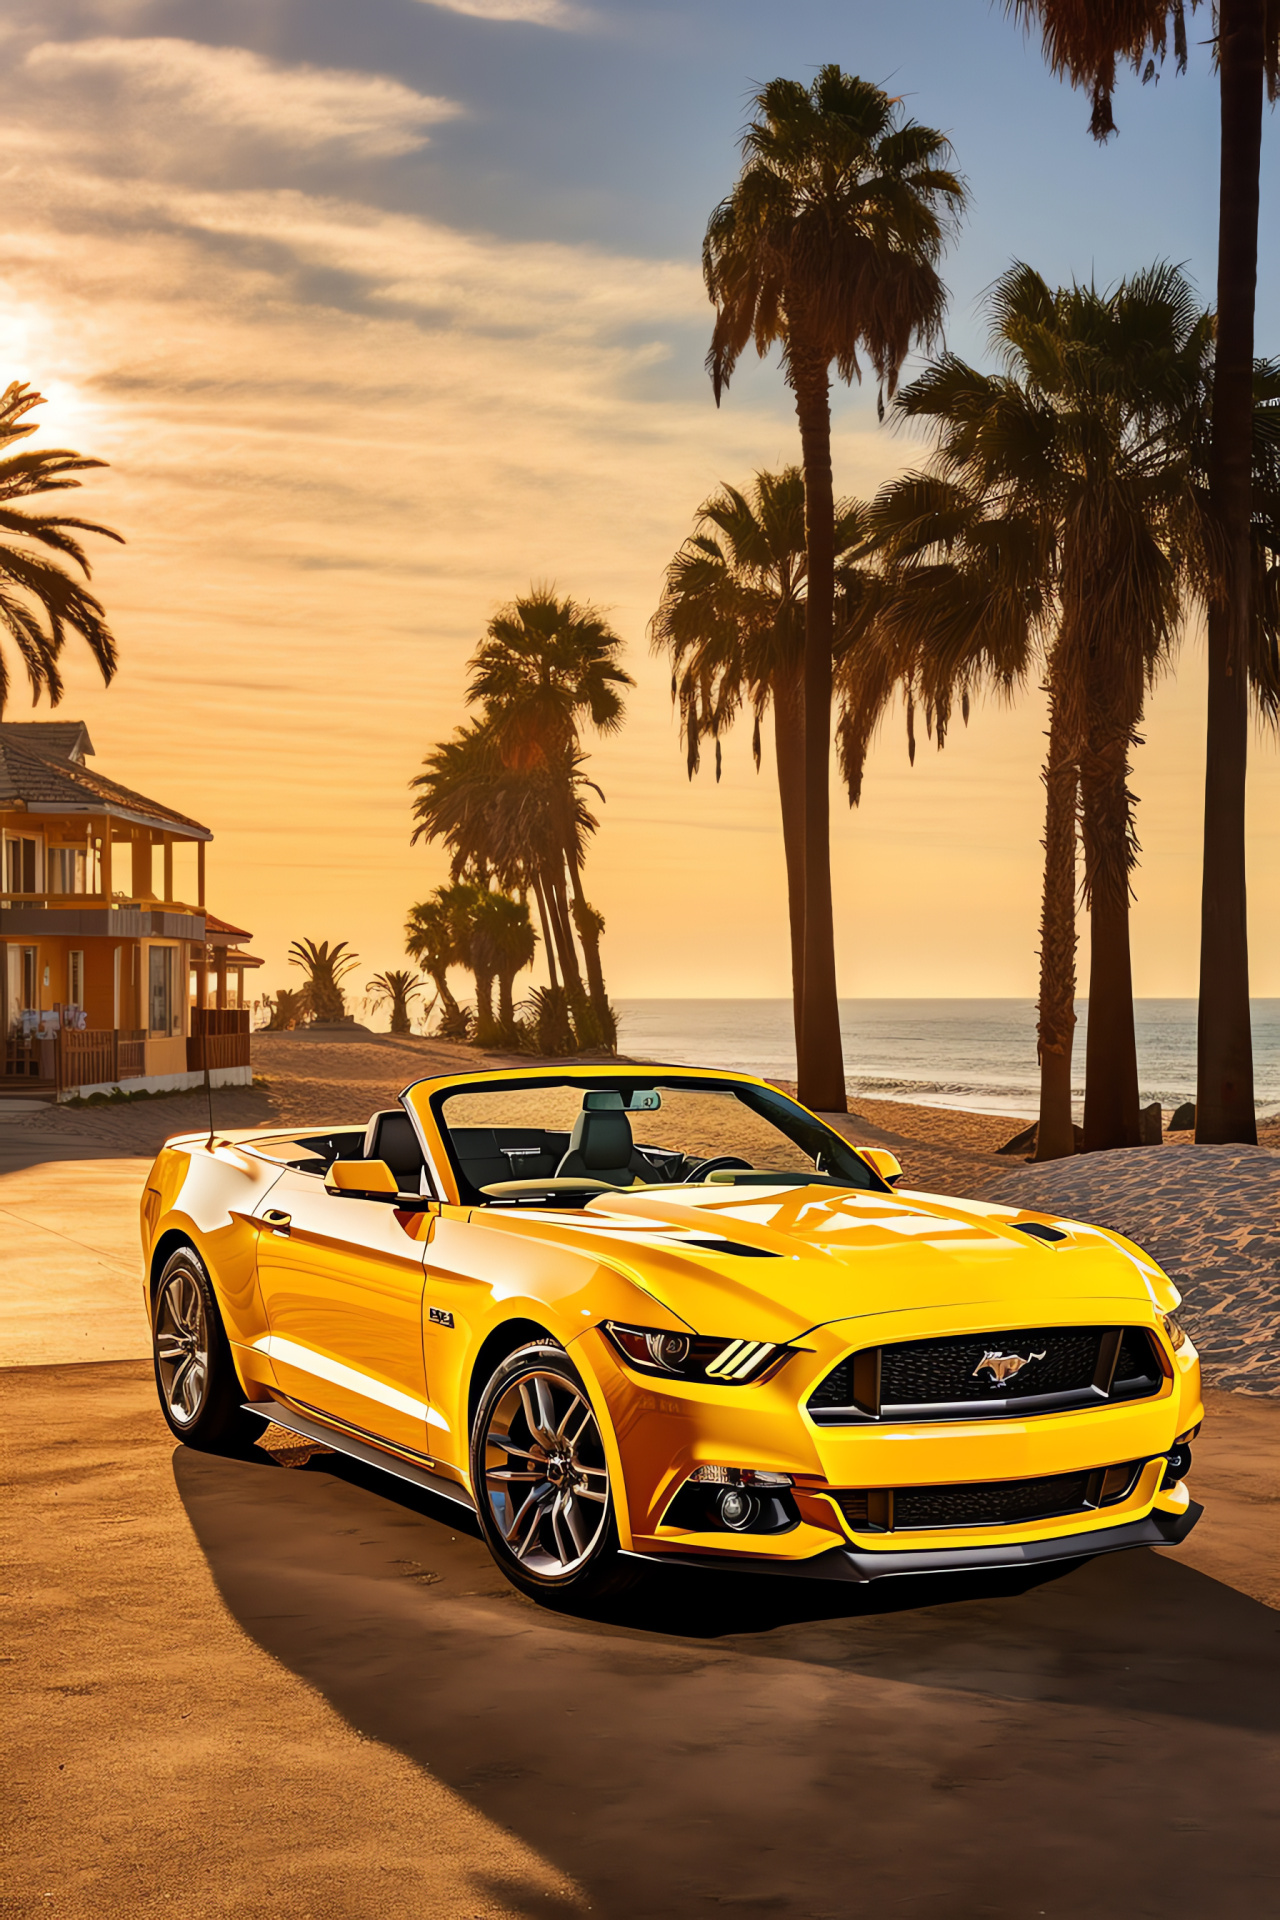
[(846, 1255)]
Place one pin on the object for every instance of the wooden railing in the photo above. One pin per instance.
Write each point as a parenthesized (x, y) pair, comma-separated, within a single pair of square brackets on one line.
[(75, 902), (131, 1055), (219, 1038), (94, 1056)]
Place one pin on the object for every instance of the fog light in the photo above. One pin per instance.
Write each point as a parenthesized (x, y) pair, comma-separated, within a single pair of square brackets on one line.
[(737, 1508), (1179, 1459)]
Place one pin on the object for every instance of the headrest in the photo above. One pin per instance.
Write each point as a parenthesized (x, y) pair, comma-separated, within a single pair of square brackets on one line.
[(602, 1139), (390, 1136)]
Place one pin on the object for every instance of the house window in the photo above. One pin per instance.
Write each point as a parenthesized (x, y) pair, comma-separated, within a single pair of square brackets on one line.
[(20, 983), (160, 984), (21, 865), (75, 979), (68, 870)]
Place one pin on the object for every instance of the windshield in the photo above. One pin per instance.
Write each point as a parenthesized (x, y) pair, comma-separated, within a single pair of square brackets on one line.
[(625, 1132)]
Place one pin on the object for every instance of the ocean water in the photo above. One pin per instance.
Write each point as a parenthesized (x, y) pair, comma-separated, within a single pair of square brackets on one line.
[(977, 1055)]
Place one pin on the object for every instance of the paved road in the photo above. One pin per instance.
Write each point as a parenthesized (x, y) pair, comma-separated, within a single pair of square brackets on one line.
[(70, 1278), (280, 1686)]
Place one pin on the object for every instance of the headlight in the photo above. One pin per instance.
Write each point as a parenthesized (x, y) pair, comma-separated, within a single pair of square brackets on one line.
[(1178, 1335), (686, 1356)]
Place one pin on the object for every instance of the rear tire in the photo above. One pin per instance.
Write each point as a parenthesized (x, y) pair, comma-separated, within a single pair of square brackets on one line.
[(541, 1482), (200, 1394)]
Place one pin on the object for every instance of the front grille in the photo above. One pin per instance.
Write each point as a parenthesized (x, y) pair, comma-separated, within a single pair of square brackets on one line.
[(986, 1503), (984, 1376)]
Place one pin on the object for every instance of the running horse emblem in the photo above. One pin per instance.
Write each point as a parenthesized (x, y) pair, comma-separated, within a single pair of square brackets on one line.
[(1003, 1366)]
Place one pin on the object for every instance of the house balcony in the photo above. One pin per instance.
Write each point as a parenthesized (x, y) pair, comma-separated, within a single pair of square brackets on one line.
[(86, 915)]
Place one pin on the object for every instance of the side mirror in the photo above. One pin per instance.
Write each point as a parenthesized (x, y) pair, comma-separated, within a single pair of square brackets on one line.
[(362, 1180), (886, 1164)]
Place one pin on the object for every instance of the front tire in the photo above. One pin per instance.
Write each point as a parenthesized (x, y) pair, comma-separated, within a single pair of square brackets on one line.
[(200, 1395), (541, 1481)]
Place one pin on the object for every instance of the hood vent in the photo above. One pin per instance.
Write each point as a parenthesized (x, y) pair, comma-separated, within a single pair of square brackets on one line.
[(730, 1246), (1038, 1230)]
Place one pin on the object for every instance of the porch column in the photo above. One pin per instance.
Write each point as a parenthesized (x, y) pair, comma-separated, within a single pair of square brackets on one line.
[(221, 963), (168, 868), (200, 845), (140, 881), (106, 859)]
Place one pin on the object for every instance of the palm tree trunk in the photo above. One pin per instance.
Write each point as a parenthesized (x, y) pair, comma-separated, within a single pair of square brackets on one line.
[(788, 747), (590, 926), (1224, 1063), (506, 1004), (548, 945), (1055, 1135), (820, 1072), (1111, 1053), (484, 1005), (440, 981), (564, 936)]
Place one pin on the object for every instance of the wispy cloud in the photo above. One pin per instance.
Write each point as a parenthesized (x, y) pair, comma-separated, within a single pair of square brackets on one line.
[(534, 13), (188, 86)]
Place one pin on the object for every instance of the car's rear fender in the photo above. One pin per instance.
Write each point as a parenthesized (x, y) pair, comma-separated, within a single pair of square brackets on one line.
[(204, 1199)]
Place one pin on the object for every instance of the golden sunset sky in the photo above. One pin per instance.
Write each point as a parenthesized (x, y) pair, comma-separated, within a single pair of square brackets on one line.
[(380, 312)]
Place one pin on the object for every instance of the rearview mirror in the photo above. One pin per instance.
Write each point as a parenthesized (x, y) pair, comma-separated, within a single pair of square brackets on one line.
[(362, 1180), (886, 1164), (629, 1100)]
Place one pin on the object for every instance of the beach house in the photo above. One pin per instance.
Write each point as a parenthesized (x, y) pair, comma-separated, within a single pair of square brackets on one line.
[(112, 971)]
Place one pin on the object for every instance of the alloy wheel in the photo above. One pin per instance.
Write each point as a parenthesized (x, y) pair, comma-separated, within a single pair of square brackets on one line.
[(182, 1346), (545, 1478)]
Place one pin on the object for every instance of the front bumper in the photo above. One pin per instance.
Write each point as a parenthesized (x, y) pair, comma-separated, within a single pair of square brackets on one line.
[(664, 1430), (853, 1563)]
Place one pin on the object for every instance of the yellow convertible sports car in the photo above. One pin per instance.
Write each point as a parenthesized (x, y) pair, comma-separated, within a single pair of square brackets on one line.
[(632, 1314)]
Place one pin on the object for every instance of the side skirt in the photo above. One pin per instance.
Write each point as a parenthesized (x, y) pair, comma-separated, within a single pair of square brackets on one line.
[(362, 1450)]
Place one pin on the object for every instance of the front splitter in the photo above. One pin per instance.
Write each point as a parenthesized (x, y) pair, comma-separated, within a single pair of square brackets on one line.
[(852, 1563)]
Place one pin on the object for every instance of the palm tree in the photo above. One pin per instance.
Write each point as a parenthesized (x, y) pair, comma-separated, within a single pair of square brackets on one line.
[(285, 1010), (967, 606), (39, 603), (731, 618), (325, 967), (1086, 41), (460, 903), (502, 929), (828, 245), (511, 823), (396, 988), (429, 939), (1089, 435), (546, 668)]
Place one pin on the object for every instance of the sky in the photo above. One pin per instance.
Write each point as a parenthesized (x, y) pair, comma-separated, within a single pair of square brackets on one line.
[(380, 313)]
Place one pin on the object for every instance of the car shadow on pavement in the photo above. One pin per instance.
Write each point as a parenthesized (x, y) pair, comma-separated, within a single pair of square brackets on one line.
[(755, 1744)]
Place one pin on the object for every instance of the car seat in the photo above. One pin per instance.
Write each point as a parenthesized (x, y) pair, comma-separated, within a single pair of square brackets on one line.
[(601, 1148)]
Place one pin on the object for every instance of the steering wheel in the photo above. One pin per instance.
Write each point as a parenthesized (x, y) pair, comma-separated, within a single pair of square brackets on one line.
[(704, 1167)]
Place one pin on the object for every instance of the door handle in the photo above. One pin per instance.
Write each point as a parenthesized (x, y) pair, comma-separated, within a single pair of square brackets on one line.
[(277, 1221)]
